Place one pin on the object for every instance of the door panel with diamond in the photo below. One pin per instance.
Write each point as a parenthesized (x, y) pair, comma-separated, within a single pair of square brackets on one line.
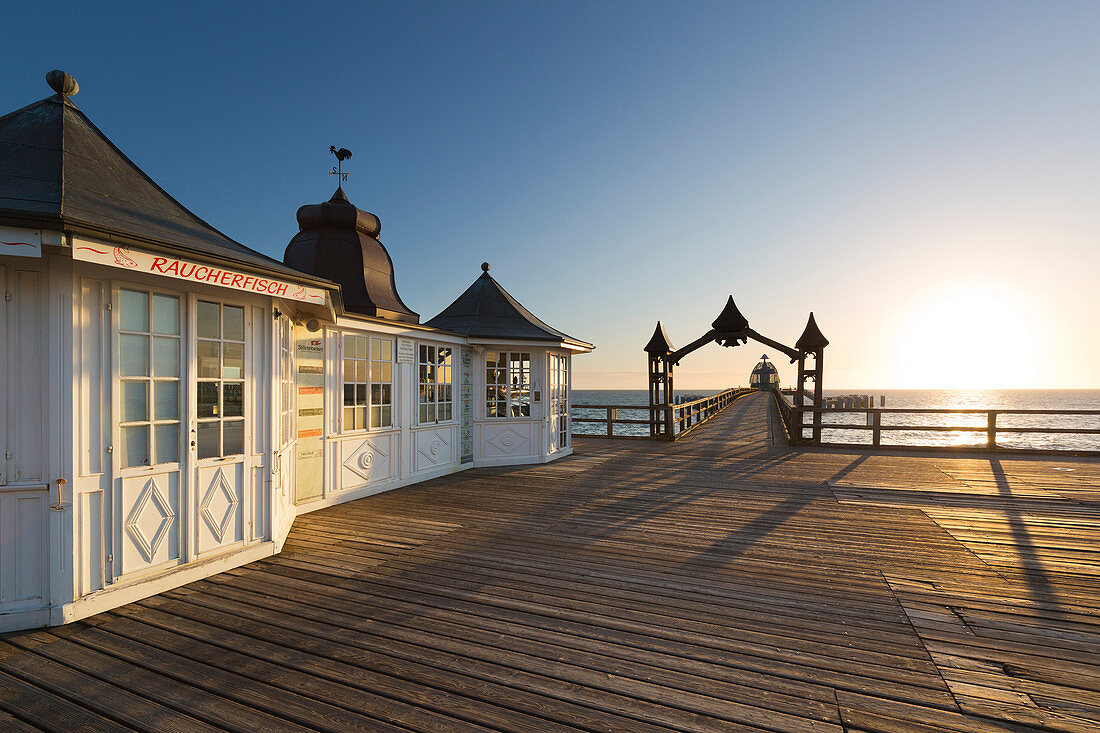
[(150, 527), (220, 511)]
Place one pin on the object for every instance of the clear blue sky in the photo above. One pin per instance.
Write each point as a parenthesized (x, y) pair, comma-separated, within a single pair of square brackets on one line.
[(923, 176)]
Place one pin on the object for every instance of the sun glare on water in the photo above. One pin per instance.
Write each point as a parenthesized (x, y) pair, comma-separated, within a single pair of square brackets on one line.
[(969, 337)]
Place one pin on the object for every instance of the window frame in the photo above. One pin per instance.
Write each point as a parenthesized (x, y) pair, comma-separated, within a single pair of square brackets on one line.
[(439, 399), (151, 377), (508, 392), (375, 367), (221, 380)]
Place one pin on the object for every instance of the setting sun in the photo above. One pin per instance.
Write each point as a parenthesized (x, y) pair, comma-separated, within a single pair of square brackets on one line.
[(968, 336)]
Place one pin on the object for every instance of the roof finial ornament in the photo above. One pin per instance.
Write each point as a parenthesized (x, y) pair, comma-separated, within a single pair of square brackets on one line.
[(341, 155), (62, 83), (484, 266)]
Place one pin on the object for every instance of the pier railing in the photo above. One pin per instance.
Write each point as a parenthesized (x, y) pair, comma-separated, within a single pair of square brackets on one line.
[(799, 427), (663, 422)]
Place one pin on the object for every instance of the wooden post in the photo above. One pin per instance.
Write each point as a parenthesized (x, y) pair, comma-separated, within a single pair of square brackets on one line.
[(819, 358), (876, 425), (612, 413), (991, 430), (670, 429), (799, 399)]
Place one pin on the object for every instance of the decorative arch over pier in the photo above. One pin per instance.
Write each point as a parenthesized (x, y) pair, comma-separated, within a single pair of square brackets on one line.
[(731, 329)]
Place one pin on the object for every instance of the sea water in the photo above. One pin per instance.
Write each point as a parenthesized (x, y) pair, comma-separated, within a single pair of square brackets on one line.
[(992, 399)]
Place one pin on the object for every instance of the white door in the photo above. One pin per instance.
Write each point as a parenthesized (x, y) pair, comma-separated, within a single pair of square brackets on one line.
[(558, 404), (283, 458), (219, 431), (24, 496), (148, 366)]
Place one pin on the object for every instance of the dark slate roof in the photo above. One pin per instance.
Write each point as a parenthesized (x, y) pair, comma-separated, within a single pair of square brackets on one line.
[(58, 170), (487, 311)]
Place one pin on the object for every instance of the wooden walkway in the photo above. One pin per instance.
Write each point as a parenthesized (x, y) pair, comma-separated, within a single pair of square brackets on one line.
[(720, 583)]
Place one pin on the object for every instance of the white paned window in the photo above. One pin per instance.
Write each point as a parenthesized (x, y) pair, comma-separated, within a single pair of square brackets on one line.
[(434, 398), (368, 382), (149, 377), (220, 355), (507, 384), (559, 395), (381, 382)]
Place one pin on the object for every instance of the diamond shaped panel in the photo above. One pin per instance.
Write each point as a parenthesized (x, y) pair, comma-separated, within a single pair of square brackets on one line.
[(218, 506), (149, 520)]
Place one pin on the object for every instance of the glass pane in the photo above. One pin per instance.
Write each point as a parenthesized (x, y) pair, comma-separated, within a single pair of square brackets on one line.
[(425, 354), (445, 357), (135, 401), (166, 357), (166, 401), (166, 316), (209, 439), (234, 437), (209, 317), (387, 395), (360, 371), (349, 394), (133, 310), (135, 446), (375, 371), (361, 417), (167, 443), (349, 418), (209, 362), (423, 413), (376, 416), (208, 399), (349, 370), (360, 394), (387, 372), (361, 347), (234, 323), (233, 399), (233, 364), (387, 351), (133, 355), (387, 418), (445, 412), (349, 346), (431, 412)]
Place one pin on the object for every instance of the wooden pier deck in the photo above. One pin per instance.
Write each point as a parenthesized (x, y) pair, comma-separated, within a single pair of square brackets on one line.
[(720, 583)]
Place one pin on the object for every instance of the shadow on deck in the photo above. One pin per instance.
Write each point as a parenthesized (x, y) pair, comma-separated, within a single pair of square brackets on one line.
[(719, 583)]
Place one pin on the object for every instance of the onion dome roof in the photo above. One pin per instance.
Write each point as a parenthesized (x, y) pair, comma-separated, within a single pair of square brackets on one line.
[(341, 243)]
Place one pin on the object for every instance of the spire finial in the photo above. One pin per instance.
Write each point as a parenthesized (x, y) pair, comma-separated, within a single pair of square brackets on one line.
[(484, 266), (62, 83)]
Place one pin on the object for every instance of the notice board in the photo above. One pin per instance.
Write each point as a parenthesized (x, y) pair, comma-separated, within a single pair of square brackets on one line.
[(310, 419)]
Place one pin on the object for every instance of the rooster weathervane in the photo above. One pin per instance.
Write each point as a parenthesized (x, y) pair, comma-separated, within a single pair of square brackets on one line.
[(341, 155)]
